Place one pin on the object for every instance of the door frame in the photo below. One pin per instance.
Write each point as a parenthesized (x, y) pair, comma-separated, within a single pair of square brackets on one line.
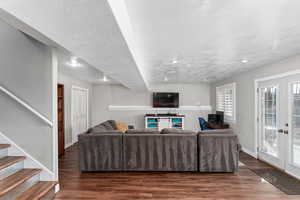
[(74, 87), (289, 168), (277, 162), (256, 100), (256, 81)]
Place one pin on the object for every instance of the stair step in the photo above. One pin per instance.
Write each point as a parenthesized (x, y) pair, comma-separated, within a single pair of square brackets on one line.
[(17, 179), (10, 160), (4, 146), (37, 191)]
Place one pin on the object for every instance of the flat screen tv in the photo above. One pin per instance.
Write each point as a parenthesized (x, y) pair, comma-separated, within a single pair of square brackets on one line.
[(165, 100)]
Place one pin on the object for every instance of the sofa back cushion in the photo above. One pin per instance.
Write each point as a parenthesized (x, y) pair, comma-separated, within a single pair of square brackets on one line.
[(158, 152), (176, 131), (141, 131), (217, 131)]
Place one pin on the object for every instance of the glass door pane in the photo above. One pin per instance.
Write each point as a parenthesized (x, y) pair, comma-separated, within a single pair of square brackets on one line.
[(295, 126), (269, 124)]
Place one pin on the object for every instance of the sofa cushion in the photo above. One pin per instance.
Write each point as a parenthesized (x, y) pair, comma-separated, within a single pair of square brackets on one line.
[(108, 125), (217, 131), (108, 132), (96, 129), (141, 131), (176, 131), (113, 124)]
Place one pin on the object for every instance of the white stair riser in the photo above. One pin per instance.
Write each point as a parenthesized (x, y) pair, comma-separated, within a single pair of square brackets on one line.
[(21, 188), (11, 170), (3, 153)]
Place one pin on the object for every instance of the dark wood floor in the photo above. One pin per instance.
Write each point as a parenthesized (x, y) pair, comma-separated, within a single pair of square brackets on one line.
[(172, 186)]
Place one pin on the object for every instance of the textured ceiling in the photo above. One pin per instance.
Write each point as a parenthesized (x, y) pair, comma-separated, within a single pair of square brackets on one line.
[(87, 28), (209, 38), (83, 72)]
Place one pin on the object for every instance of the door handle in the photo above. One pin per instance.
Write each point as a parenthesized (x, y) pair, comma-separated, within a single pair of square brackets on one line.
[(280, 131), (286, 132)]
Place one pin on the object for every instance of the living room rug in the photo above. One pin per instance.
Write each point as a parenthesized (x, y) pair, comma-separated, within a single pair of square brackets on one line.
[(282, 181)]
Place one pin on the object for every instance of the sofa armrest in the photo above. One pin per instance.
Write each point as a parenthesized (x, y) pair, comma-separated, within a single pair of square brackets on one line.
[(218, 152)]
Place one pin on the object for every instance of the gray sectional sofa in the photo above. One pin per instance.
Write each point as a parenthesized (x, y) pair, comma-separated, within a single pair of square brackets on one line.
[(103, 148)]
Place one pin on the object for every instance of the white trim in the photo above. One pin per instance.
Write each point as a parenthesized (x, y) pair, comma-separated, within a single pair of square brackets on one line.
[(68, 145), (54, 112), (28, 107), (74, 87), (30, 162), (281, 75), (251, 153), (150, 108)]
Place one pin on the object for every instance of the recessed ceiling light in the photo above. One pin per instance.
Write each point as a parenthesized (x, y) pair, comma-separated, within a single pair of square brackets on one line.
[(104, 78), (174, 61), (74, 62), (244, 61), (166, 79)]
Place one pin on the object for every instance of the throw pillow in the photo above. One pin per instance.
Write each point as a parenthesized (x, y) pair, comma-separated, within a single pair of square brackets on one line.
[(121, 126)]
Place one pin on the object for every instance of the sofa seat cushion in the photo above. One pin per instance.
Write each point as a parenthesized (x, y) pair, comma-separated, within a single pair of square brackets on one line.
[(176, 131), (141, 131)]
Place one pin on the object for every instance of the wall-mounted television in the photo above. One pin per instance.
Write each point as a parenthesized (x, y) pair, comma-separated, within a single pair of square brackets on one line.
[(165, 99)]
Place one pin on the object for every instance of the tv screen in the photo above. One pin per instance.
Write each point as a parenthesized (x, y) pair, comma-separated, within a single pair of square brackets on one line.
[(165, 100)]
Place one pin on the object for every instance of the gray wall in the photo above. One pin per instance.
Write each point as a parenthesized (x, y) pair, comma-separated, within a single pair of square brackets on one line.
[(105, 95), (68, 82), (245, 97), (26, 70)]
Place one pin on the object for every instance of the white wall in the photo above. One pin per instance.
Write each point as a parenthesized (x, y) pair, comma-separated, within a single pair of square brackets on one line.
[(68, 82), (26, 70), (105, 95), (245, 94)]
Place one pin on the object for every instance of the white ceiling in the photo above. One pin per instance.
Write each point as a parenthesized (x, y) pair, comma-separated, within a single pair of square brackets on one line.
[(88, 29), (136, 41), (209, 38), (83, 71)]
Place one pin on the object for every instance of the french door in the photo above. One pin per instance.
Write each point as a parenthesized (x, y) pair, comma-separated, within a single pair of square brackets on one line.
[(79, 111), (279, 123)]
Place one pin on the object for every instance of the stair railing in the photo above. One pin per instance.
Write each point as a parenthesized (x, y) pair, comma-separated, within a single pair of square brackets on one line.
[(28, 107)]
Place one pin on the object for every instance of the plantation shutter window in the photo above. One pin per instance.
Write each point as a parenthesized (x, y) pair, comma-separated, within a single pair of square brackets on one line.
[(225, 101)]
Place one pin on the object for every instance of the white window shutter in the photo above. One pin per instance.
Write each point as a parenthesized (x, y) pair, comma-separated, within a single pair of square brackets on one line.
[(225, 100)]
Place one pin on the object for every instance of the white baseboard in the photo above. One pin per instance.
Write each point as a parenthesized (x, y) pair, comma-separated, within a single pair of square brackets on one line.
[(68, 145), (30, 162), (57, 188), (251, 153)]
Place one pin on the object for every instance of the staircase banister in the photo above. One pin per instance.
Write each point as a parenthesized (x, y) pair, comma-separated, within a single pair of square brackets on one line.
[(28, 107)]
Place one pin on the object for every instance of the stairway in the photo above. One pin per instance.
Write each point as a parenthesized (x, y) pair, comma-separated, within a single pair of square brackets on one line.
[(17, 182)]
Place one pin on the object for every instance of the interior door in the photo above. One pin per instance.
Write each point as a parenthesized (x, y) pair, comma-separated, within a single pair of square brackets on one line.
[(293, 132), (79, 112), (269, 122), (279, 123), (60, 119)]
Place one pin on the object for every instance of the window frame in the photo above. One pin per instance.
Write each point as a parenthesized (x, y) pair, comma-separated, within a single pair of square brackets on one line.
[(222, 88)]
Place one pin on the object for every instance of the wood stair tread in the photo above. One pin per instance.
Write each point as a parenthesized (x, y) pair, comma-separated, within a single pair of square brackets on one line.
[(4, 146), (37, 191), (10, 160), (12, 181)]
